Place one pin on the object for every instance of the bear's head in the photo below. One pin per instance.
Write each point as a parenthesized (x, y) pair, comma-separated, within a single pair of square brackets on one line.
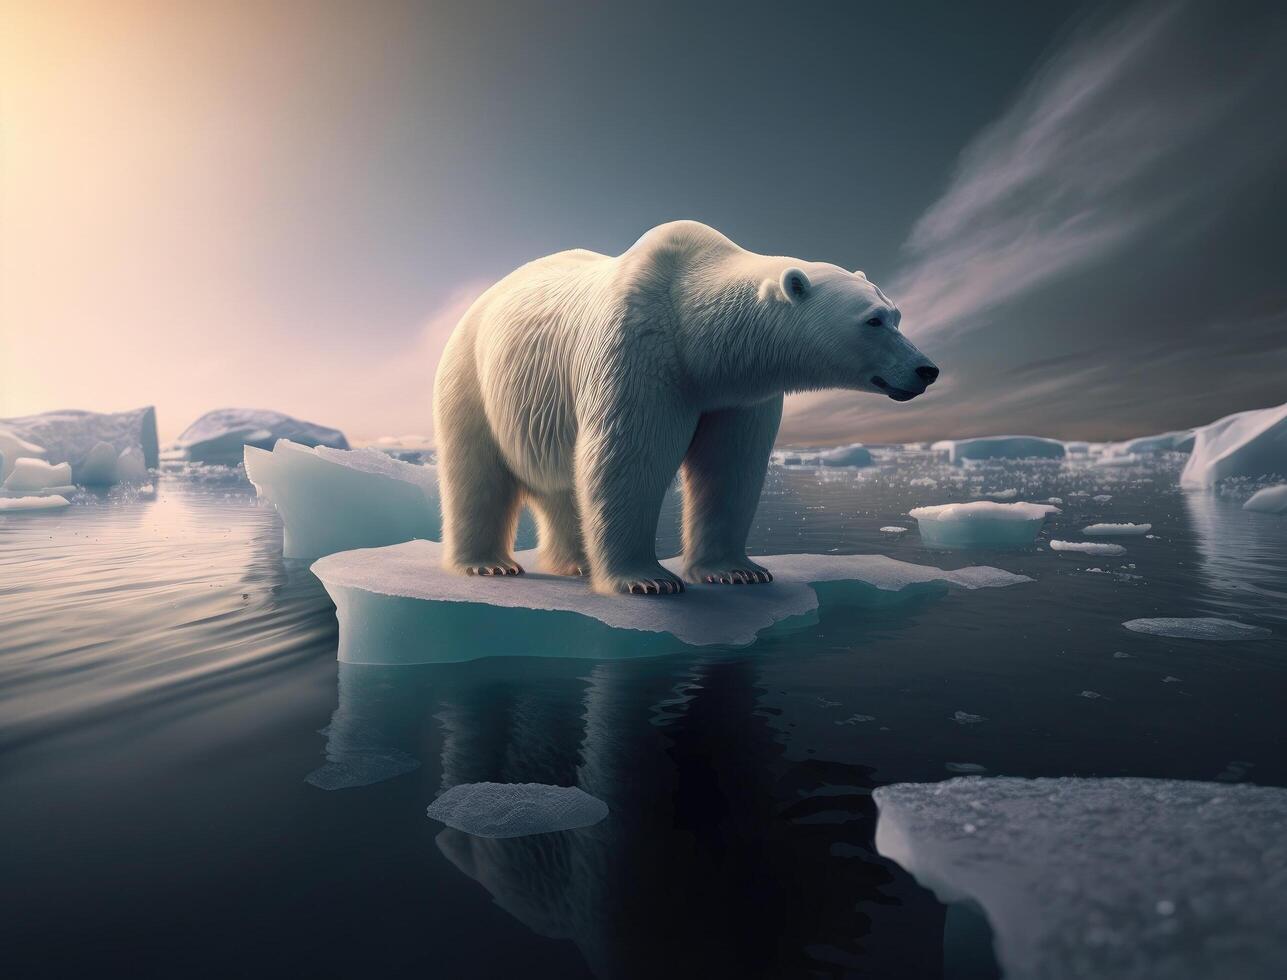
[(845, 332)]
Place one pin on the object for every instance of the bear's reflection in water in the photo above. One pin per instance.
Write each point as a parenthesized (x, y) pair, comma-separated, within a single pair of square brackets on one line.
[(719, 857)]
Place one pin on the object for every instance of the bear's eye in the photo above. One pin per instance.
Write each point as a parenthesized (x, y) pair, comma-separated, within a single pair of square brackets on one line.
[(876, 321)]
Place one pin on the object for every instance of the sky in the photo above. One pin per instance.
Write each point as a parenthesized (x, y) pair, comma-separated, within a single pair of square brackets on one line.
[(288, 205)]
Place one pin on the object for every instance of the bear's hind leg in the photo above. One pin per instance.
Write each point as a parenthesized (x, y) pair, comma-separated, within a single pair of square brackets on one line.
[(558, 533), (481, 500)]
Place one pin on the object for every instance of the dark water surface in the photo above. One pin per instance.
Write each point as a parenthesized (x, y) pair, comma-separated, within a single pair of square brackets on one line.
[(171, 710)]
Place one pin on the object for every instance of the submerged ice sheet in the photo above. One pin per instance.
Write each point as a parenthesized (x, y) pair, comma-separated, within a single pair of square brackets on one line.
[(397, 605), (218, 436), (1000, 447), (1197, 628), (1251, 444), (1105, 878), (981, 524), (1270, 500), (336, 500), (516, 809)]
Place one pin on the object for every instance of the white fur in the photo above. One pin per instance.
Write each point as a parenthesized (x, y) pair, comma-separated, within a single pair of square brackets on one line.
[(580, 383)]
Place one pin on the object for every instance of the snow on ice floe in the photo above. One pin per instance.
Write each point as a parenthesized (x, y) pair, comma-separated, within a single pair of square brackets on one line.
[(29, 474), (1106, 878), (1088, 547), (15, 505), (397, 605), (1000, 447), (516, 809), (1197, 628), (336, 499), (218, 436), (855, 455), (1249, 444), (981, 524), (1270, 500), (1110, 530), (69, 436)]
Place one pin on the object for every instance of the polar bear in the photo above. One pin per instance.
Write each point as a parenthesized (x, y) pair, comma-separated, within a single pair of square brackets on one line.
[(580, 383)]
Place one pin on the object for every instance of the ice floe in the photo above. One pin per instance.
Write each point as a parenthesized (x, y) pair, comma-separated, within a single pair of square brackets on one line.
[(1106, 878), (891, 529), (1270, 500), (516, 809), (218, 436), (398, 605), (1197, 628), (855, 455), (69, 436), (36, 474), (1088, 547), (1110, 530), (1251, 444), (335, 499), (981, 524), (14, 505), (1000, 447), (12, 448)]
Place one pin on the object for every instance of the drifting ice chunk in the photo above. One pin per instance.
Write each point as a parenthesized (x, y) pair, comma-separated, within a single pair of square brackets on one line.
[(1108, 530), (1105, 878), (12, 448), (1000, 447), (1251, 444), (398, 605), (51, 501), (1271, 500), (35, 474), (336, 500), (98, 467), (981, 524), (1088, 547), (894, 530), (68, 436), (516, 809), (218, 437), (1197, 628), (131, 467), (855, 455)]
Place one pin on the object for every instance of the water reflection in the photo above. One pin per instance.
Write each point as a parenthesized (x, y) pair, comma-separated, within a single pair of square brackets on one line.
[(1240, 556)]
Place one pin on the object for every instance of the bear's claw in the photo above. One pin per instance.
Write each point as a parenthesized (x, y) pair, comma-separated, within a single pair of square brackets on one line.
[(504, 567), (664, 584), (741, 574)]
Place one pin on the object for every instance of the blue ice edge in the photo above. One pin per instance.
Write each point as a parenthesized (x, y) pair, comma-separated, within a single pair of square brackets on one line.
[(396, 605)]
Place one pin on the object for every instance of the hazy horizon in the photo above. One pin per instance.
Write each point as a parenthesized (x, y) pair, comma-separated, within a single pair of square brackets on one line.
[(288, 205)]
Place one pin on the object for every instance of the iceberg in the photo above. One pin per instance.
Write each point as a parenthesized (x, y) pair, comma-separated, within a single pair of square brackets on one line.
[(218, 436), (1088, 547), (131, 467), (1000, 447), (1270, 500), (1179, 441), (336, 499), (1109, 530), (1197, 628), (36, 474), (1249, 444), (397, 605), (516, 809), (69, 436), (13, 505), (981, 524), (855, 455), (1106, 878), (98, 467)]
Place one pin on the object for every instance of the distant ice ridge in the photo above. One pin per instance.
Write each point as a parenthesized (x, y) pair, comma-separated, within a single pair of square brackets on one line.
[(1109, 530), (981, 524), (336, 500), (218, 436), (1179, 441), (1088, 547), (71, 437), (854, 455), (1250, 444), (1000, 447), (1198, 628), (397, 605), (1270, 500), (1107, 878), (516, 809)]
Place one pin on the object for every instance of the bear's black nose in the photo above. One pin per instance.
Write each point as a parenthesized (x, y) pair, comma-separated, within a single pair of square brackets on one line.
[(927, 373)]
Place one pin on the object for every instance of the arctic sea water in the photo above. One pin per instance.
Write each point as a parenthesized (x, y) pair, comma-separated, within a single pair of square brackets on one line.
[(193, 786)]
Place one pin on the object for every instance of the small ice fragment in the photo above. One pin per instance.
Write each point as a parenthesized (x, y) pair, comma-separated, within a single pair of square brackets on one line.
[(1009, 494), (1197, 628), (516, 809), (1270, 500), (856, 719), (1102, 498), (965, 718), (1088, 547), (1092, 695), (1119, 530), (893, 530), (981, 524), (48, 502), (855, 455), (1169, 679), (1121, 655), (1058, 501), (1165, 906), (964, 767), (35, 474), (98, 467), (131, 466)]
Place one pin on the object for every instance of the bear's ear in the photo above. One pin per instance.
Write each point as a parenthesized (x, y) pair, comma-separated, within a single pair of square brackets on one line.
[(795, 284)]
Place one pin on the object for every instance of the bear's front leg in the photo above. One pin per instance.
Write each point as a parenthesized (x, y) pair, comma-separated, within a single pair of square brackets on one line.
[(627, 454), (723, 474)]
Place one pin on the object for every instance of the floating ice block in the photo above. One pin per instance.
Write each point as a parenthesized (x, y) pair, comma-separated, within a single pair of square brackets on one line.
[(1105, 878), (14, 505), (1197, 628), (1270, 500), (1117, 530), (855, 455), (397, 605), (1088, 547), (218, 436), (981, 524), (1251, 444), (1000, 447), (35, 474)]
